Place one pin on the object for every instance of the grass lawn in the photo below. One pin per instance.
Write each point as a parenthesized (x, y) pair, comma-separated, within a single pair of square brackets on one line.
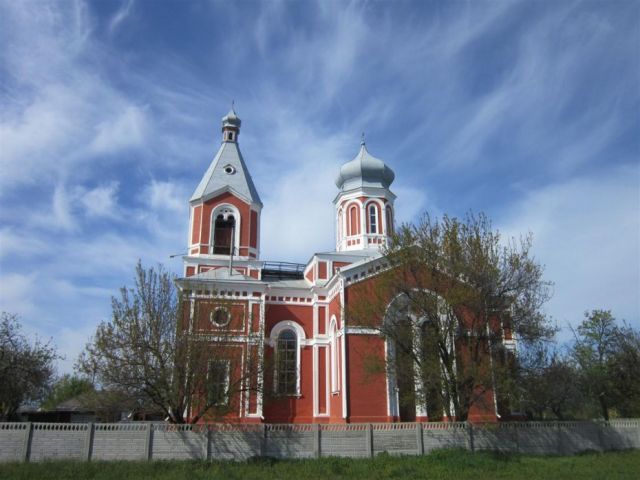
[(445, 464)]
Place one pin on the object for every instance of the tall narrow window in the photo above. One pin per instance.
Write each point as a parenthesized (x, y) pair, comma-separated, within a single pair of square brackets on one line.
[(353, 220), (431, 370), (224, 231), (287, 363), (334, 359), (218, 382), (373, 219), (389, 221)]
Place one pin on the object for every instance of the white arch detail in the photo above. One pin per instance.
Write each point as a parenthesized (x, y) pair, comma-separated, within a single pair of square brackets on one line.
[(393, 404)]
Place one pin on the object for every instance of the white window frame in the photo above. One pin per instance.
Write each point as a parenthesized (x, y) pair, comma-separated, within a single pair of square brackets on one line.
[(335, 355), (373, 218), (225, 209), (301, 341)]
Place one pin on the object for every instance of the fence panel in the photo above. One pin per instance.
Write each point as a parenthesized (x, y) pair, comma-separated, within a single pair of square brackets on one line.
[(621, 434), (290, 441), (575, 437), (395, 438), (235, 442), (116, 441), (179, 442), (13, 441), (58, 441), (495, 437), (345, 440), (437, 435), (538, 438)]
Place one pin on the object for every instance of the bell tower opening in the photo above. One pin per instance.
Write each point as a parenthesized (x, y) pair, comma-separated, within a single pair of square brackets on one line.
[(223, 234)]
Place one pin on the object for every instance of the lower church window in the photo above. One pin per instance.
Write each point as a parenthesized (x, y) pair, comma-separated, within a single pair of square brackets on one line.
[(218, 382), (287, 363)]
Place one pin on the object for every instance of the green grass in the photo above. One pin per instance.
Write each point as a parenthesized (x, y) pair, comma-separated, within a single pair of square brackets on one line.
[(444, 464)]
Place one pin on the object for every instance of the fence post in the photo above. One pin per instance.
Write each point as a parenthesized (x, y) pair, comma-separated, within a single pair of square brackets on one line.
[(206, 451), (560, 444), (148, 446), (316, 440), (472, 446), (369, 440), (601, 434), (26, 449), (88, 442), (263, 441), (419, 439)]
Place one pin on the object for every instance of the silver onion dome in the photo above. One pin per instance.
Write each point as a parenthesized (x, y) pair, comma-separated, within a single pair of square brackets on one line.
[(231, 120), (364, 170)]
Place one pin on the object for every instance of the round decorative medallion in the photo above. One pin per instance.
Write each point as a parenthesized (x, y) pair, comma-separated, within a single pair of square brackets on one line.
[(220, 317)]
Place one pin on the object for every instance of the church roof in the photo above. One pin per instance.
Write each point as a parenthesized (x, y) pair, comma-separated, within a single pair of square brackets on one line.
[(227, 172), (221, 274), (364, 170)]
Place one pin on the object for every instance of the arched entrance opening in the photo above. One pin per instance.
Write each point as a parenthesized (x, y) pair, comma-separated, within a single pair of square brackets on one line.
[(415, 381)]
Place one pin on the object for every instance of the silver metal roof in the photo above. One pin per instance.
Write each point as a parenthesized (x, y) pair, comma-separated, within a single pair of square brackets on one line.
[(221, 274), (227, 171), (364, 170)]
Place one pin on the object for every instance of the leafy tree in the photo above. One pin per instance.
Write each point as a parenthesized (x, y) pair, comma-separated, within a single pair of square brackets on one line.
[(449, 293), (609, 357), (147, 351), (625, 368), (66, 388), (26, 368), (547, 384)]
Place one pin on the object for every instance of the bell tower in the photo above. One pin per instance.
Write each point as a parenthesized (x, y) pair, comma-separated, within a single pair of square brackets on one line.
[(225, 207), (364, 205)]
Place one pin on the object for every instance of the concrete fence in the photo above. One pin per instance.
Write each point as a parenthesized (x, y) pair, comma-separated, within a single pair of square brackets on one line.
[(145, 441)]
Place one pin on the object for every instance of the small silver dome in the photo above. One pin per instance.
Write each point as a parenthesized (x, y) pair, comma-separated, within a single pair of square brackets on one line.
[(364, 170), (231, 120)]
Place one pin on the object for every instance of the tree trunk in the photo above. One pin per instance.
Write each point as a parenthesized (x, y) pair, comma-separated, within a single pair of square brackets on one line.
[(604, 407)]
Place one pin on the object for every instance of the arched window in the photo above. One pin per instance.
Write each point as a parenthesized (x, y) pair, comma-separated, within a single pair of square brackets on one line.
[(354, 224), (389, 220), (373, 219), (287, 363), (223, 234)]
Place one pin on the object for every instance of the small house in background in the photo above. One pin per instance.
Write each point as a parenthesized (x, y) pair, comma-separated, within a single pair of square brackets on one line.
[(97, 407)]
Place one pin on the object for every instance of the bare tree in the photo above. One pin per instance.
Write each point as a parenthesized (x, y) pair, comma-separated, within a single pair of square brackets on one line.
[(26, 368), (450, 298), (148, 351)]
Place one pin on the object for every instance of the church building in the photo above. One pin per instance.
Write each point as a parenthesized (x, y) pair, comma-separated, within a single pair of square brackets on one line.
[(291, 315)]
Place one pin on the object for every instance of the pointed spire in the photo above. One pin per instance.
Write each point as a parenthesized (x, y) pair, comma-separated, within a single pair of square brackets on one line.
[(362, 140)]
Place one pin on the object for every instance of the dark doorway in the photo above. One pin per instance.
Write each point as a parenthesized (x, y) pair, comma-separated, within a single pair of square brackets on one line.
[(223, 235), (431, 371), (405, 373)]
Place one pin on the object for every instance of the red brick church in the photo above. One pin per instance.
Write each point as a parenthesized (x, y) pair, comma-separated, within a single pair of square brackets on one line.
[(295, 313)]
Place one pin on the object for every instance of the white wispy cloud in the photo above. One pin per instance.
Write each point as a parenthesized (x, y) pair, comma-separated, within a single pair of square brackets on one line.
[(586, 233), (121, 15), (101, 201)]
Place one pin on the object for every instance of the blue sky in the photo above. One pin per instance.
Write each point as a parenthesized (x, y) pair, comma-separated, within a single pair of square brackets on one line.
[(528, 111)]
